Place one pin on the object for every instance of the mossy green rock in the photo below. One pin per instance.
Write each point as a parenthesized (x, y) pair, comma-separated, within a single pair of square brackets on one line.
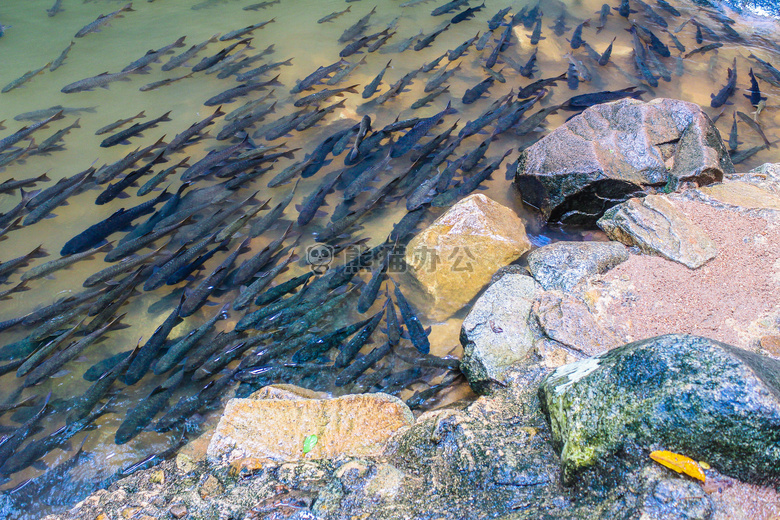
[(687, 394)]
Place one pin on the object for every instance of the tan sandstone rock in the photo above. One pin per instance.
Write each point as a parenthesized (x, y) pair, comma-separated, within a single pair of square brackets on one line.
[(274, 429), (656, 226), (455, 257)]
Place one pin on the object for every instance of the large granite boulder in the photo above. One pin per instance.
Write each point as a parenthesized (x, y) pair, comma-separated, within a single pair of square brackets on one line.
[(687, 394), (655, 226), (614, 151), (455, 257)]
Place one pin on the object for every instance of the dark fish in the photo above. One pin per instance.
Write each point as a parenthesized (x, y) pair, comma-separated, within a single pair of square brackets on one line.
[(229, 95), (427, 40), (498, 18), (357, 28), (117, 189), (754, 97), (727, 91), (26, 131), (576, 37), (538, 86), (121, 122), (315, 77), (182, 58), (666, 6), (493, 57), (420, 398), (12, 184), (195, 299), (755, 126), (584, 101), (381, 41), (651, 15), (188, 405), (733, 137), (483, 40), (8, 267), (145, 355), (52, 143), (55, 9), (238, 33), (261, 5), (358, 44), (162, 83), (474, 93), (353, 371), (702, 28), (84, 404), (496, 109), (603, 14), (27, 76), (10, 443), (702, 50), (537, 34), (417, 334), (101, 80), (350, 350), (771, 70), (440, 77), (182, 139), (604, 58), (334, 15), (137, 129), (429, 98), (420, 129), (467, 14), (210, 61), (370, 89), (153, 56), (323, 95), (624, 10), (139, 417), (676, 41), (448, 7), (746, 154), (527, 70), (102, 20), (652, 41)]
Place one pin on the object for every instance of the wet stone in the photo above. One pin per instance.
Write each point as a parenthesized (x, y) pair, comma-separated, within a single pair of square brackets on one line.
[(455, 257), (681, 393), (178, 510), (496, 333), (211, 487), (614, 151), (677, 499), (655, 226), (563, 265)]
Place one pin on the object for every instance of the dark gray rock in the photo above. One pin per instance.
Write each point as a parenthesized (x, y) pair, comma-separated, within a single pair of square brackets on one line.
[(614, 151), (687, 394), (563, 265)]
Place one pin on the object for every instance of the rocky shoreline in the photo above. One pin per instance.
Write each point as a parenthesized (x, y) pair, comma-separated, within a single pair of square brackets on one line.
[(587, 357)]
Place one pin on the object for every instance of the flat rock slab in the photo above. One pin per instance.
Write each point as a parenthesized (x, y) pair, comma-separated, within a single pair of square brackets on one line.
[(455, 257), (742, 195), (687, 394), (563, 265), (496, 334), (614, 151), (274, 429), (655, 226)]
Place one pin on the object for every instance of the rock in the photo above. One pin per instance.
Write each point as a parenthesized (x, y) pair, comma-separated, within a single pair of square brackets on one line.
[(563, 265), (741, 195), (614, 151), (184, 463), (178, 510), (655, 226), (677, 499), (687, 394), (568, 320), (211, 487), (457, 254), (496, 335), (386, 483), (274, 429), (158, 477)]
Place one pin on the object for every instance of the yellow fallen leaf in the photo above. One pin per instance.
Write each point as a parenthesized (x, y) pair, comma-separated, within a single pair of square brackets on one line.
[(679, 463), (704, 465)]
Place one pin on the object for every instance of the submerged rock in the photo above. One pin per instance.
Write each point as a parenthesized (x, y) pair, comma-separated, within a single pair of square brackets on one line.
[(496, 334), (655, 226), (687, 394), (275, 429), (455, 257), (563, 265), (614, 151)]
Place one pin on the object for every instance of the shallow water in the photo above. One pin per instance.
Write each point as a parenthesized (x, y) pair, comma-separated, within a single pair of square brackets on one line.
[(35, 39)]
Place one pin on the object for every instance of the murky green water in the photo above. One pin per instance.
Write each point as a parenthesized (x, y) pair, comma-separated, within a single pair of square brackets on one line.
[(35, 39)]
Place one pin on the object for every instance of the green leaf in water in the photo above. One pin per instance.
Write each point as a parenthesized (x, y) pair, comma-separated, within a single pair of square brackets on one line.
[(309, 443)]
